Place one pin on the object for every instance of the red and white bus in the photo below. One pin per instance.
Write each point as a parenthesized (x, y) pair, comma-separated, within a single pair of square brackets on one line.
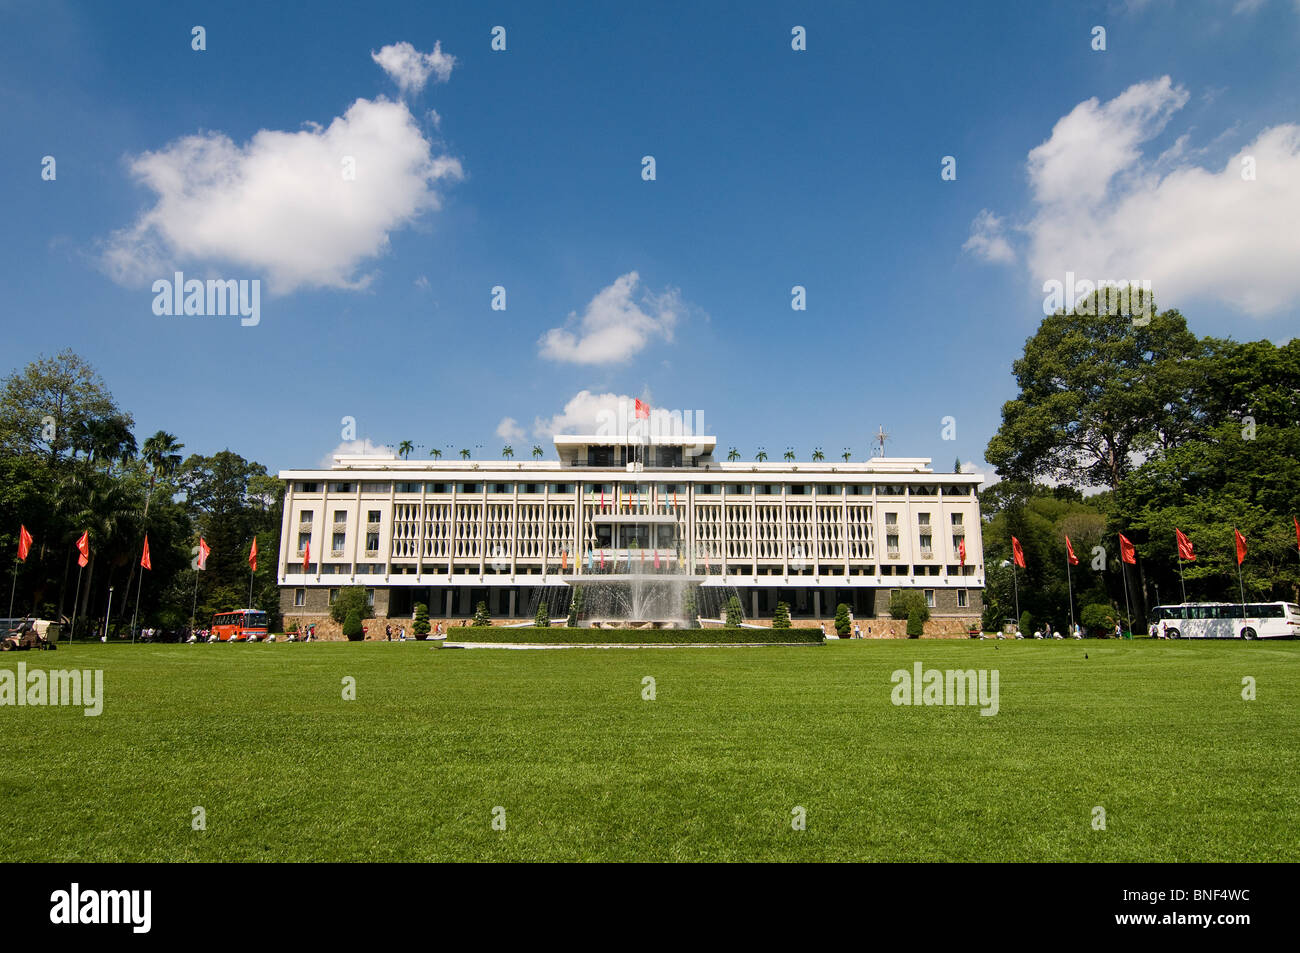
[(239, 624)]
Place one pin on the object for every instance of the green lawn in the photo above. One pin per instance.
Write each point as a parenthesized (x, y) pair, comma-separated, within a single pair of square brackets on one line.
[(259, 735)]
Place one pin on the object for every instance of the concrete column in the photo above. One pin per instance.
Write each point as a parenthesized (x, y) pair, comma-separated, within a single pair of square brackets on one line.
[(512, 603), (817, 604)]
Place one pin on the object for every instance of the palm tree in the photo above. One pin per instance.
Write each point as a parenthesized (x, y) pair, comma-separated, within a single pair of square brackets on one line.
[(435, 453), (789, 453), (846, 454), (733, 455), (818, 456), (507, 451), (464, 454), (404, 449), (761, 456), (161, 453), (537, 452)]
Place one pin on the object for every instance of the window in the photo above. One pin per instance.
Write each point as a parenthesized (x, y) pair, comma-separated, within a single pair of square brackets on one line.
[(891, 519), (961, 598), (402, 487), (372, 516), (303, 540), (707, 488), (860, 489), (386, 487), (340, 487), (829, 489), (957, 520), (340, 516), (924, 489), (334, 595), (305, 516), (501, 488), (561, 488), (469, 487), (798, 489), (370, 598), (437, 488), (308, 487), (300, 597), (337, 543), (929, 598), (741, 489), (530, 488), (372, 542), (923, 519), (892, 489)]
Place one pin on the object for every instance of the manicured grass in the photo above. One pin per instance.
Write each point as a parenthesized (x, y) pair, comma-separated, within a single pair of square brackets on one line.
[(1156, 733)]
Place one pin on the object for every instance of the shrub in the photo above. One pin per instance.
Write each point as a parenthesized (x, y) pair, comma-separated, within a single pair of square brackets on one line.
[(349, 598), (566, 636), (915, 624), (1026, 623), (905, 601), (543, 617), (575, 608), (421, 624), (352, 626), (782, 618), (481, 617), (1097, 618), (734, 615), (842, 623)]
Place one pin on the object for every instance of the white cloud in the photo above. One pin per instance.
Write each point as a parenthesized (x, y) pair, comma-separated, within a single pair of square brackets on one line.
[(410, 69), (617, 324), (509, 430), (1105, 212), (582, 414), (356, 447), (280, 205), (987, 240)]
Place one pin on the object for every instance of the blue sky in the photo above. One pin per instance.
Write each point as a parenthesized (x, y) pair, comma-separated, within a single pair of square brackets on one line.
[(774, 168)]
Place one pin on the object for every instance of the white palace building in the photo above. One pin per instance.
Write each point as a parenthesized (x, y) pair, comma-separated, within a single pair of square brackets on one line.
[(614, 511)]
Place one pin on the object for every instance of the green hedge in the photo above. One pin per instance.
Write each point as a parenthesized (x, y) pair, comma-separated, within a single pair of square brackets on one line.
[(566, 636)]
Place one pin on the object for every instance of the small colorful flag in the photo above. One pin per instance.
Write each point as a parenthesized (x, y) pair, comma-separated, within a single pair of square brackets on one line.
[(24, 542), (1069, 553), (306, 555), (1017, 553), (144, 557), (83, 547), (642, 410), (252, 557), (564, 560), (656, 559), (203, 553), (1127, 551), (961, 551), (1241, 545), (1185, 550), (1297, 532)]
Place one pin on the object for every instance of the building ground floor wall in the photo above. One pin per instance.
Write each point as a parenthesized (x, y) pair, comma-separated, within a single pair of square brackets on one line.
[(807, 604)]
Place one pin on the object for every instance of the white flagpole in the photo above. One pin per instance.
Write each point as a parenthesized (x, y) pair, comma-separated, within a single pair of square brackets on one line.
[(1070, 588)]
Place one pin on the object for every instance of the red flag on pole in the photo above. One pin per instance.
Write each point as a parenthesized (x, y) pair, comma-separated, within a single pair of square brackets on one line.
[(203, 553), (1069, 553), (144, 556), (24, 542), (1241, 545), (1297, 532), (642, 410), (306, 555), (1017, 553), (83, 547), (602, 560), (656, 558), (1185, 550), (1126, 550), (252, 557), (564, 560), (961, 550)]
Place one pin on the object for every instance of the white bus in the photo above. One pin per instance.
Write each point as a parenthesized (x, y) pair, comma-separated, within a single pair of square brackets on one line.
[(1229, 620)]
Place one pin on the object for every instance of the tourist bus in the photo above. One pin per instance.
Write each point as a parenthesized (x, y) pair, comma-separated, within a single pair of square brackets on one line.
[(1229, 620), (238, 624)]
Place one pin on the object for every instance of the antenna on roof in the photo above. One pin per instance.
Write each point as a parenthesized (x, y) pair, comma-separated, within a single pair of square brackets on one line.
[(880, 438)]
